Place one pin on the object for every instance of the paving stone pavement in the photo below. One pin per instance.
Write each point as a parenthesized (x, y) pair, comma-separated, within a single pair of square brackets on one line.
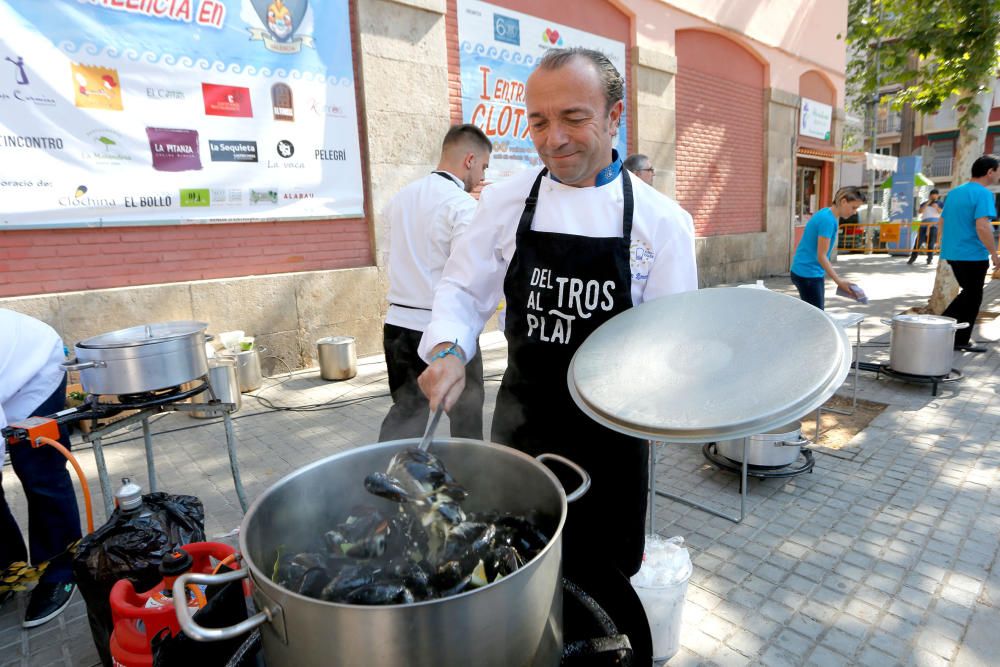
[(884, 555)]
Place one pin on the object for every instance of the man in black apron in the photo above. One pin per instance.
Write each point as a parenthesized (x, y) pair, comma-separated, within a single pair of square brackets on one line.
[(559, 288)]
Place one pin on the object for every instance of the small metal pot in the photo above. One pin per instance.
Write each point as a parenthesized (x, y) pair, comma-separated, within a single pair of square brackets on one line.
[(141, 359), (776, 449), (248, 371), (922, 344), (516, 620), (222, 378)]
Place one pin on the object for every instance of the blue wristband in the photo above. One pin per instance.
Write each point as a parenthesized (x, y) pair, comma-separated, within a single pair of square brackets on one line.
[(451, 350)]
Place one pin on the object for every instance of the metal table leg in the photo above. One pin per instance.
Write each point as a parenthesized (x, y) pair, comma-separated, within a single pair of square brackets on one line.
[(147, 440), (102, 475), (705, 508), (651, 503), (233, 463)]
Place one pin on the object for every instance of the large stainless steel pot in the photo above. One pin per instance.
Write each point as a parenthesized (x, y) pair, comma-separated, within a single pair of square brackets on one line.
[(143, 358), (922, 344), (514, 621), (777, 448)]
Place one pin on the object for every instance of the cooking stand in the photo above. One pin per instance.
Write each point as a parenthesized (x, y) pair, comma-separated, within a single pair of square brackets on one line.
[(653, 492), (845, 321), (154, 407)]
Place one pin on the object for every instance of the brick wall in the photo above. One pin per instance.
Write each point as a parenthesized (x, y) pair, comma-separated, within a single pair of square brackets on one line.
[(46, 261), (720, 134), (58, 260)]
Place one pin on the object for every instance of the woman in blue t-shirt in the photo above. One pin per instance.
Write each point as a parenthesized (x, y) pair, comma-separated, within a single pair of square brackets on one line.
[(812, 258)]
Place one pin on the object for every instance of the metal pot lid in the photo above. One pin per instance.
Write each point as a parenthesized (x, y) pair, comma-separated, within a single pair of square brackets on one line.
[(925, 321), (709, 365), (144, 334)]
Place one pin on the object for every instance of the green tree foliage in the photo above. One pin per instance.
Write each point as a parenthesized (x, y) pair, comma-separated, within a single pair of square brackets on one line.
[(932, 49)]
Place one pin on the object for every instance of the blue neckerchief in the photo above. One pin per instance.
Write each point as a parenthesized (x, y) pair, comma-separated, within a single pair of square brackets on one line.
[(606, 175)]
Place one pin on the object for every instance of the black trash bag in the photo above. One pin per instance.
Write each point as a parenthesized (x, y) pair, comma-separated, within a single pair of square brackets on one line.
[(130, 546), (225, 606)]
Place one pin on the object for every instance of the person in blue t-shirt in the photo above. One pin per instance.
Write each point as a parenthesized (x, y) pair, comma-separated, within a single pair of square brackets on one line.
[(811, 263), (967, 244)]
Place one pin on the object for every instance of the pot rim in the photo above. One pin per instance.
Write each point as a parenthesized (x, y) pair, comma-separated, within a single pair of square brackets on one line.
[(136, 336), (261, 579), (932, 322)]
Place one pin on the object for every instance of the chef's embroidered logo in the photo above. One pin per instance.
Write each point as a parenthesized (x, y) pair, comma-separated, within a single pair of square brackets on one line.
[(97, 87), (640, 259), (280, 21), (554, 302)]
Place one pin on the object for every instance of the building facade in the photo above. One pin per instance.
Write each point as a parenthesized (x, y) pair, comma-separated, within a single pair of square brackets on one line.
[(716, 96)]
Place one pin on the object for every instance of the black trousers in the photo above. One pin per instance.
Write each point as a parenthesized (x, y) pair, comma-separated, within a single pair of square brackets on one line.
[(928, 235), (53, 516), (965, 308), (407, 418)]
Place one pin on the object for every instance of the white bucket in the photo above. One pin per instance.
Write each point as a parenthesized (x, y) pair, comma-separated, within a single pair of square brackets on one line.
[(663, 603)]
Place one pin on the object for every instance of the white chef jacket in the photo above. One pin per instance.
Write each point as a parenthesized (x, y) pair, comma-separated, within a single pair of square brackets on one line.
[(662, 257), (424, 219), (30, 356)]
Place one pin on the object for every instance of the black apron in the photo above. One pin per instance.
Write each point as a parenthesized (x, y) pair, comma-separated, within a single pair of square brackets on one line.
[(560, 288)]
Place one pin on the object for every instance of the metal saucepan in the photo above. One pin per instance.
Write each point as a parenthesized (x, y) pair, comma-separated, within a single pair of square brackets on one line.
[(143, 358), (922, 344), (777, 448), (514, 621)]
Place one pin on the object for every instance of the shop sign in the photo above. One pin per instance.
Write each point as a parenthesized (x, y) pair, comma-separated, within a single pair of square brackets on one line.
[(815, 120)]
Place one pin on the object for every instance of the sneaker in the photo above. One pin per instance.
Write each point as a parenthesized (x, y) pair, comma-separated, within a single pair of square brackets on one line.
[(47, 601)]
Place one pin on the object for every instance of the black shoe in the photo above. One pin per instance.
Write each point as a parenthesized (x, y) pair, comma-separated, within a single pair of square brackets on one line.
[(47, 601), (911, 260), (970, 347)]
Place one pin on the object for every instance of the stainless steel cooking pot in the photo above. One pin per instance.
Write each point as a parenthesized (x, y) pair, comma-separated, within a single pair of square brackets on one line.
[(514, 621), (143, 358), (922, 344), (777, 448)]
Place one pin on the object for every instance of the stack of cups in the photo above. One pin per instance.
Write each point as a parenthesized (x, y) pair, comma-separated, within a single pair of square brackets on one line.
[(661, 584)]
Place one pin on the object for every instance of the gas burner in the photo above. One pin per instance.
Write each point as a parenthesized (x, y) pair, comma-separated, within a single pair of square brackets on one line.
[(804, 464), (934, 380), (150, 399)]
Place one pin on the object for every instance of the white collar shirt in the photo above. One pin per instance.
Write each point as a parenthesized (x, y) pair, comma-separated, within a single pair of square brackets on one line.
[(425, 218), (661, 256), (30, 356)]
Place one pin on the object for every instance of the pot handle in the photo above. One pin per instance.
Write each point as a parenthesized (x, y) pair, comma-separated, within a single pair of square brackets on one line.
[(83, 365), (584, 477), (885, 321), (201, 633), (801, 442), (961, 325)]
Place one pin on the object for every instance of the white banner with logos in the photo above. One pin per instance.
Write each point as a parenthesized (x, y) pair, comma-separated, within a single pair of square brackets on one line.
[(816, 119), (125, 113), (498, 49)]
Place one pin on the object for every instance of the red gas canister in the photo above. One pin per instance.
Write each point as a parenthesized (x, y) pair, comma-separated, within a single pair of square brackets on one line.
[(138, 617)]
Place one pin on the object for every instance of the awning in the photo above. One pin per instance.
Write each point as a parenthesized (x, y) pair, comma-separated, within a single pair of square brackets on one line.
[(919, 181)]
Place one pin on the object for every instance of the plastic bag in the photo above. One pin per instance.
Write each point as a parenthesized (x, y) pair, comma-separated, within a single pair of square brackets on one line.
[(665, 562), (130, 546)]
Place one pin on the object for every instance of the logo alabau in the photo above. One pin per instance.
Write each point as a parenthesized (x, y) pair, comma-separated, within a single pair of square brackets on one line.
[(284, 26), (97, 87), (174, 150)]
